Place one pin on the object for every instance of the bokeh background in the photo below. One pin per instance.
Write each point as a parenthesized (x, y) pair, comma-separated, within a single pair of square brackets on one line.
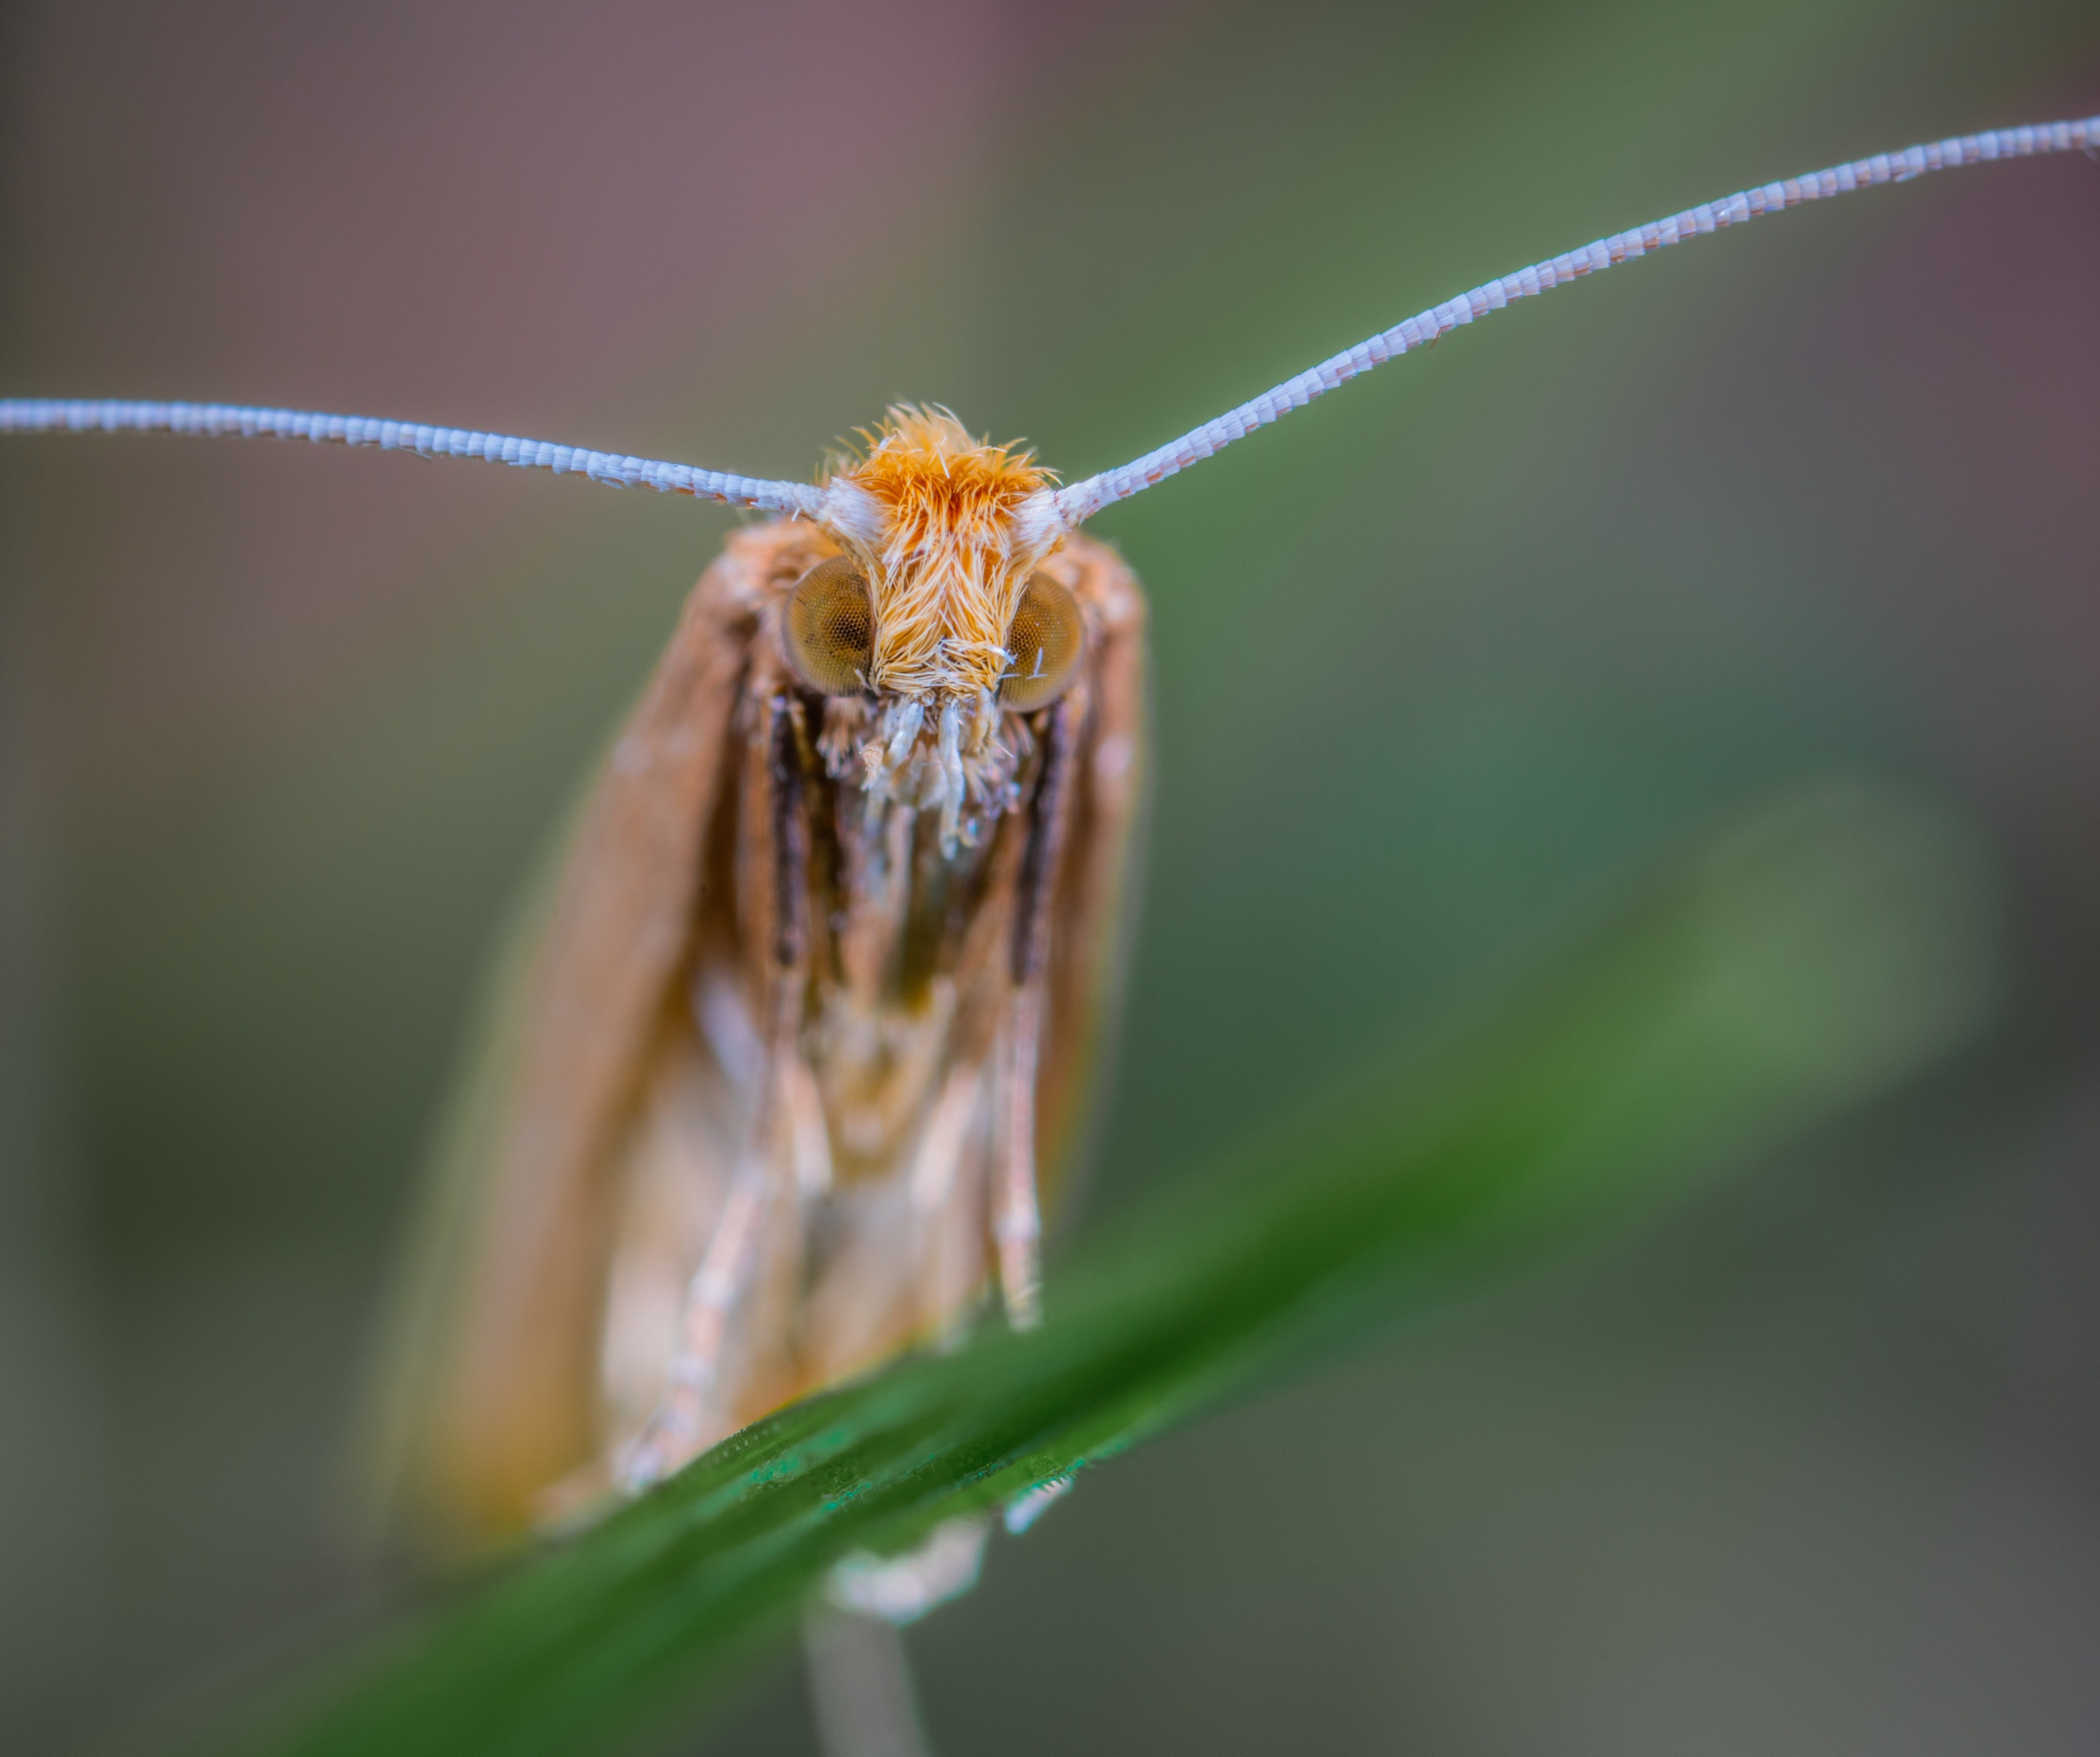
[(1811, 1464)]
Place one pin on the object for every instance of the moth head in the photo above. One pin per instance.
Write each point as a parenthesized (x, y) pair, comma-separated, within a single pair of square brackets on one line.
[(942, 537), (829, 629)]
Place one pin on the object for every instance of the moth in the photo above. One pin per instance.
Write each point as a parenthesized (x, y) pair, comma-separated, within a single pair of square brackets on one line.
[(807, 1038), (818, 989)]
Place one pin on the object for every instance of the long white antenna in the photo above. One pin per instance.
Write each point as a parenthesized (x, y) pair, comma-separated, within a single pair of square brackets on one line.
[(1073, 505), (26, 415), (1083, 499)]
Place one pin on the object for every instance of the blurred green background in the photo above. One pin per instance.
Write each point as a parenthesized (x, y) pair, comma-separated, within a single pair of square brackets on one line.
[(1810, 1466)]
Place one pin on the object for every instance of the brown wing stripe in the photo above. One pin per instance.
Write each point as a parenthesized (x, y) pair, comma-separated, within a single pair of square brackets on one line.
[(791, 839), (1045, 837)]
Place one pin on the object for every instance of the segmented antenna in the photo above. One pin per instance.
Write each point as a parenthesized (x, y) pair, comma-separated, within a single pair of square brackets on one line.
[(1083, 499), (1071, 506), (26, 415)]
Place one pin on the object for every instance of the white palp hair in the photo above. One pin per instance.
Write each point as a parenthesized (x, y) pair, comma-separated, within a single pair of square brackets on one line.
[(1072, 506), (1080, 501)]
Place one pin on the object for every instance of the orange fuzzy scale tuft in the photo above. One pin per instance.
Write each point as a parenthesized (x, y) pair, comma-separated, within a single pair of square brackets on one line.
[(949, 528)]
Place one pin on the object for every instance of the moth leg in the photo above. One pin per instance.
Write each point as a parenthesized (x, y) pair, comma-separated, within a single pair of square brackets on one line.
[(945, 1192), (1017, 1215), (1016, 1223), (782, 1136), (1031, 1504), (1018, 1228), (672, 1434)]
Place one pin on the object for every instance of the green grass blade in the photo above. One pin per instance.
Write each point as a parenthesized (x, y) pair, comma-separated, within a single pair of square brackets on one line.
[(1800, 961)]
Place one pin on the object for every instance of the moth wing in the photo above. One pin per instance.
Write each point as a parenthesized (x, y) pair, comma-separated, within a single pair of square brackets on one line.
[(496, 1392), (1093, 913), (492, 1391)]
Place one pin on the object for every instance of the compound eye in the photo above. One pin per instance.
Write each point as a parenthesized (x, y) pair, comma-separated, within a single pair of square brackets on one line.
[(1042, 647), (831, 628)]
